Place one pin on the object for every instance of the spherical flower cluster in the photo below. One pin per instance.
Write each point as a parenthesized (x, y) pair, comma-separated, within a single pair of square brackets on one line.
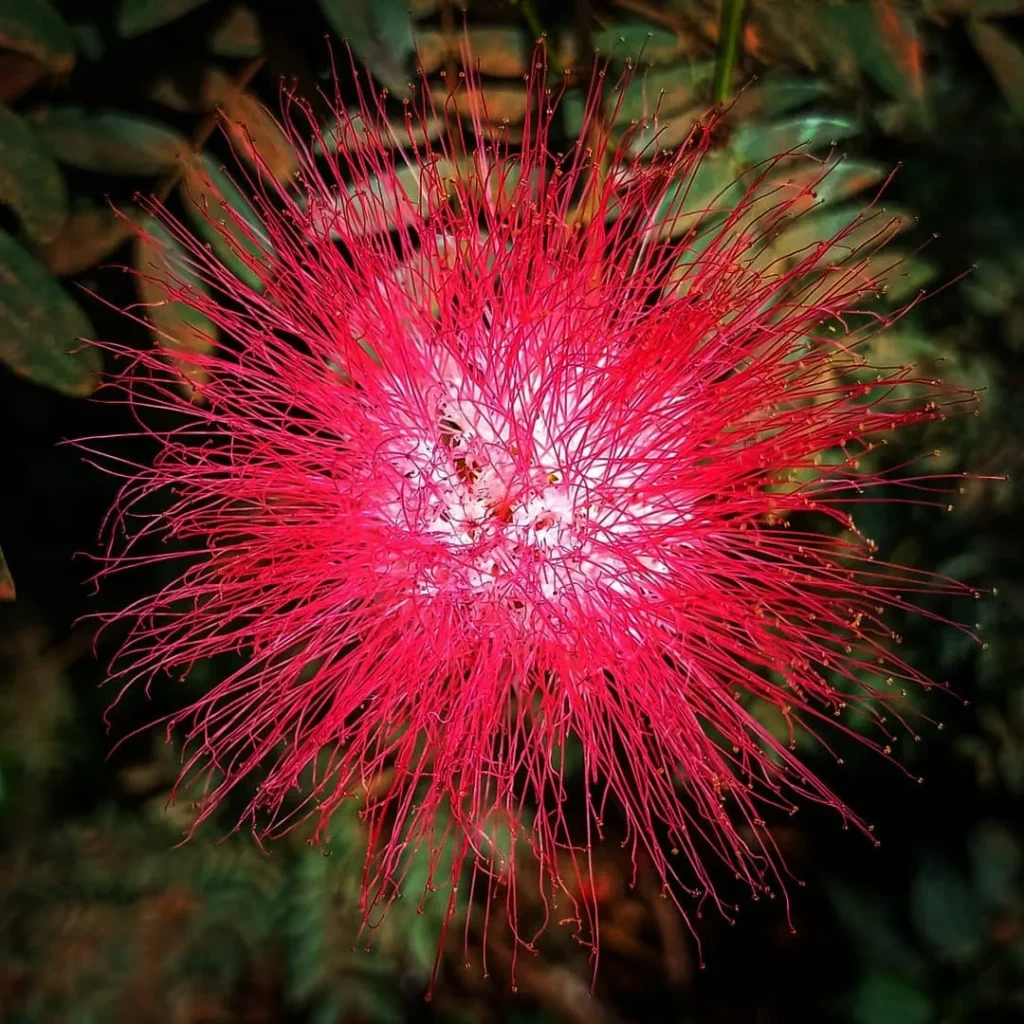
[(505, 449)]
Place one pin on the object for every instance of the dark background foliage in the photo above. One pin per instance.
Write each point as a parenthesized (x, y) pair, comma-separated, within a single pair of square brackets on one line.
[(103, 919)]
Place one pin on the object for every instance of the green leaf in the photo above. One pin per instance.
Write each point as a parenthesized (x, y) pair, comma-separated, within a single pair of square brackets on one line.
[(137, 16), (377, 205), (777, 96), (859, 29), (806, 185), (19, 73), (992, 288), (501, 51), (213, 203), (89, 40), (178, 327), (30, 180), (862, 239), (254, 132), (996, 860), (109, 141), (870, 923), (710, 189), (639, 42), (380, 34), (848, 177), (883, 1000), (396, 136), (90, 234), (755, 143), (40, 326), (901, 274), (943, 911), (36, 27), (667, 92), (7, 592), (1004, 59), (238, 35), (490, 102)]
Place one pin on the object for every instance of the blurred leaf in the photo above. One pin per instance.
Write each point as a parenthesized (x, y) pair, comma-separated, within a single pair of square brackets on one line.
[(687, 265), (238, 35), (847, 177), (169, 92), (529, 1015), (663, 133), (30, 181), (860, 239), (380, 34), (996, 859), (254, 132), (18, 74), (902, 42), (566, 758), (874, 932), (810, 184), (137, 16), (209, 197), (109, 141), (325, 972), (377, 205), (7, 591), (36, 27), (944, 912), (993, 287), (883, 1000), (178, 328), (755, 143), (1004, 58), (711, 188), (777, 96), (426, 890), (667, 92), (307, 925), (900, 274), (86, 237), (882, 40), (980, 8), (36, 710), (497, 50), (640, 42), (40, 326), (396, 136), (88, 39), (492, 103), (781, 728)]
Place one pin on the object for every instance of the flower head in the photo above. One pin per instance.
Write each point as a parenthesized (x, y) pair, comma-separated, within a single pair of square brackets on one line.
[(509, 448)]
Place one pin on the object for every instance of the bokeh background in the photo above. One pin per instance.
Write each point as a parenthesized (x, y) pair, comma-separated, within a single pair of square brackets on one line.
[(104, 918)]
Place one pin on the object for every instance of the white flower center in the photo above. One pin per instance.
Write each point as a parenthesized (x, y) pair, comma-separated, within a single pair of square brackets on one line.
[(527, 513)]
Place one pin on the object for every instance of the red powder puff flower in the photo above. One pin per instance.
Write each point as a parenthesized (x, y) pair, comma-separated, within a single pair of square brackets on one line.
[(507, 447)]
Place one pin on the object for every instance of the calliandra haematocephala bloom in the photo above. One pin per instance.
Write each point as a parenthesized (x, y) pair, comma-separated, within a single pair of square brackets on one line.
[(504, 449)]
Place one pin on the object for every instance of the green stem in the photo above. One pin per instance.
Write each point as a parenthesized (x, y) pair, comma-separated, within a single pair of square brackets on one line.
[(728, 46), (530, 17)]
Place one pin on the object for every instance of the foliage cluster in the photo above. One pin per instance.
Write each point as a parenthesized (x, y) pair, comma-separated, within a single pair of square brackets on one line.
[(99, 919)]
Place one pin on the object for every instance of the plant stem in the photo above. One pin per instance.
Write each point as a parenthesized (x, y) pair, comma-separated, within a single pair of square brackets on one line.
[(728, 46), (530, 17)]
